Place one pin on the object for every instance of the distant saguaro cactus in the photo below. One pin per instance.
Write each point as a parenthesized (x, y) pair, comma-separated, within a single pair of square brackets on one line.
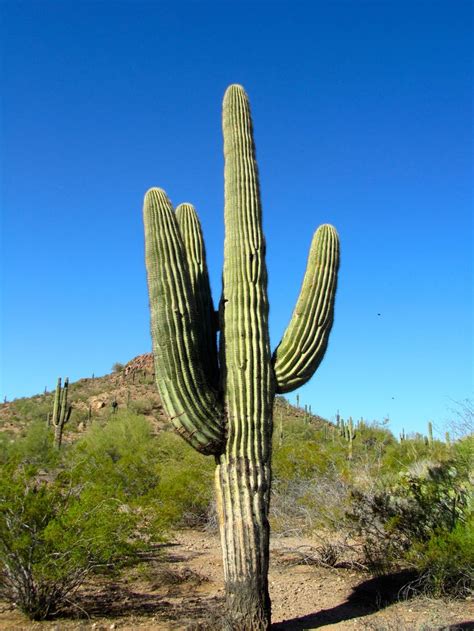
[(349, 435), (61, 412), (430, 433), (221, 403)]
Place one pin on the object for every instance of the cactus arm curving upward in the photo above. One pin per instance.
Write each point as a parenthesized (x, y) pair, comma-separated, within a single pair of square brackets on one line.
[(305, 340), (190, 401), (193, 242)]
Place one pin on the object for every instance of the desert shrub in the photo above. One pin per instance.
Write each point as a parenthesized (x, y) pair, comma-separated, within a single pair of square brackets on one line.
[(121, 457), (185, 491), (312, 475), (25, 411), (117, 367), (401, 455), (5, 440), (141, 406), (308, 505), (34, 447), (463, 454), (425, 500), (52, 535), (168, 480), (445, 562)]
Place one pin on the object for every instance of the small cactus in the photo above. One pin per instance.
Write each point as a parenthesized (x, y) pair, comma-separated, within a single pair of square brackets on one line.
[(430, 433), (350, 435), (61, 412)]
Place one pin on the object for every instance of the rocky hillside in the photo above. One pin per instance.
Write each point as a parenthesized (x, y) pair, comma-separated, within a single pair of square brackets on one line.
[(94, 399)]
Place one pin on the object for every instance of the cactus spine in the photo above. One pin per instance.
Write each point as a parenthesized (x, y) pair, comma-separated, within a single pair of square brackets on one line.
[(61, 412), (223, 406)]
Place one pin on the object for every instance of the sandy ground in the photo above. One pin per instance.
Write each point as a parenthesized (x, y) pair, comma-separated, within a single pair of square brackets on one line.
[(183, 589)]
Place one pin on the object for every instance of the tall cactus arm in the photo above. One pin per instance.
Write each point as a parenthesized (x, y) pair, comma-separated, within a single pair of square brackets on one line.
[(65, 412), (305, 340), (244, 303), (193, 241), (56, 405), (189, 400)]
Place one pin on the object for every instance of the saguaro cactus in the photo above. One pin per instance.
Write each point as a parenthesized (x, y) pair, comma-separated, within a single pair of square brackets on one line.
[(430, 433), (221, 403), (349, 435), (61, 412)]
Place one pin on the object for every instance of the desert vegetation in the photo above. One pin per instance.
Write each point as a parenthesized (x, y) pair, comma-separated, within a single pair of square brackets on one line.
[(106, 503)]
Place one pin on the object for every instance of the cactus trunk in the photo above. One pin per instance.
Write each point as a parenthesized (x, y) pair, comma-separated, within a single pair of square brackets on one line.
[(242, 491), (223, 405)]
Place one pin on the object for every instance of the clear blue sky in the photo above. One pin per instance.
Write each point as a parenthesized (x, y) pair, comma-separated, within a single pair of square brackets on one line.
[(362, 114)]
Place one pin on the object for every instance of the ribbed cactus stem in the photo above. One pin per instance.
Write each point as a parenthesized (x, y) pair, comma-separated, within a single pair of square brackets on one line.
[(350, 436), (191, 234), (61, 411), (305, 340), (430, 433), (57, 402), (225, 407), (184, 387), (243, 474)]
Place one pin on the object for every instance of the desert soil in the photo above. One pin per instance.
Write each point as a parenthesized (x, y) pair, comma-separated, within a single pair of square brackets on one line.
[(182, 588)]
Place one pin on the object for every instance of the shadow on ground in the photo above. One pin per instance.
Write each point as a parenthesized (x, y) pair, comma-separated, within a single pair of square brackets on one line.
[(118, 601), (366, 598)]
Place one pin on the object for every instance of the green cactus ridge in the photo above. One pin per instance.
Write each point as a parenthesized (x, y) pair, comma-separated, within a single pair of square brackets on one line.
[(191, 234)]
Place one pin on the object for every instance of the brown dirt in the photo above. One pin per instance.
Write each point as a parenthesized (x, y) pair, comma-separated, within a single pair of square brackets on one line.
[(183, 589)]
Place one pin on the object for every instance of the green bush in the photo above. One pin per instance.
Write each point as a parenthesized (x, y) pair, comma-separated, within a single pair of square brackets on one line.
[(121, 458), (53, 534), (426, 501), (164, 477), (34, 447), (185, 491), (400, 456), (141, 406), (25, 411), (446, 562)]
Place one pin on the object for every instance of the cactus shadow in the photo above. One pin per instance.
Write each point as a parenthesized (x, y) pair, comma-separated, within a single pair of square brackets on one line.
[(366, 598)]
